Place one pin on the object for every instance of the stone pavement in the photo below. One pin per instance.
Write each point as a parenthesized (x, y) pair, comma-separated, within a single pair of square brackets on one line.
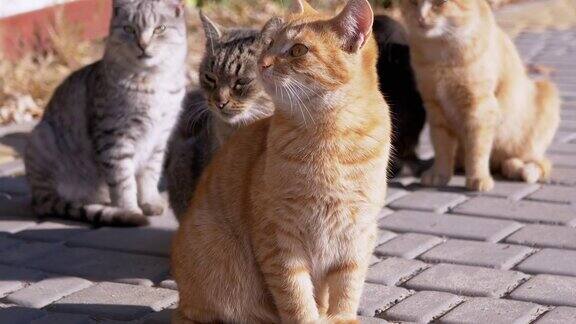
[(508, 256)]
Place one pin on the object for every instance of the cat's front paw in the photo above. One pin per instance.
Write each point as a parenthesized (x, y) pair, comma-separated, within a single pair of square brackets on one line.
[(482, 184), (431, 178), (153, 208)]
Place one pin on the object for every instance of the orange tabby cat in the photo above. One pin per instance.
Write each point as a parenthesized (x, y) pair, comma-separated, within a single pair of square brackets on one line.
[(283, 222), (478, 95)]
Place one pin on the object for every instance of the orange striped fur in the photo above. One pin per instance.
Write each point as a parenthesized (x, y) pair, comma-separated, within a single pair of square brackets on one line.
[(283, 223), (479, 99)]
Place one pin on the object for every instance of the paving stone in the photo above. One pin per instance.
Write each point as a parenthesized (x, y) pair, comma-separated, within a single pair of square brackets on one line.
[(116, 301), (562, 161), (169, 284), (384, 212), (559, 315), (12, 278), (63, 318), (377, 298), (44, 292), (422, 307), (15, 214), (456, 226), (557, 194), (408, 246), (371, 320), (162, 317), (513, 190), (466, 280), (524, 211), (19, 315), (493, 311), (563, 148), (548, 290), (437, 202), (545, 236), (13, 168), (7, 242), (104, 265), (384, 236), (563, 176), (145, 240), (14, 185), (483, 254), (26, 250), (54, 231), (393, 194), (551, 261), (393, 271)]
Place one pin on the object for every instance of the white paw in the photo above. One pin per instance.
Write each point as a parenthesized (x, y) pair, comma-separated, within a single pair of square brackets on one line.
[(480, 184)]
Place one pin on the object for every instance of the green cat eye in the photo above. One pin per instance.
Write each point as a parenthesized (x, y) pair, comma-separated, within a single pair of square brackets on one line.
[(160, 29), (298, 50), (129, 29), (241, 83)]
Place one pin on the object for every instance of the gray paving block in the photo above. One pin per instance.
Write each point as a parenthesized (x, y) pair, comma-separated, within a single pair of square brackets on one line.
[(15, 208), (27, 250), (19, 315), (7, 242), (493, 311), (438, 202), (162, 317), (371, 320), (422, 307), (523, 211), (12, 168), (557, 194), (168, 284), (393, 194), (559, 315), (551, 261), (545, 236), (53, 231), (563, 176), (384, 236), (564, 148), (63, 318), (13, 278), (562, 161), (393, 271), (408, 246), (483, 254), (14, 185), (467, 280), (377, 298), (153, 241), (548, 290), (44, 292), (513, 190), (456, 226), (116, 301), (104, 265)]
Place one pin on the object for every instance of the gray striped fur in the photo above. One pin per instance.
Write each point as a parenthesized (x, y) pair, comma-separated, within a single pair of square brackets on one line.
[(227, 73), (97, 153)]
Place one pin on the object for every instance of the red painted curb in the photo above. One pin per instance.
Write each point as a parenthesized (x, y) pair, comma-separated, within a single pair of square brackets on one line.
[(31, 31)]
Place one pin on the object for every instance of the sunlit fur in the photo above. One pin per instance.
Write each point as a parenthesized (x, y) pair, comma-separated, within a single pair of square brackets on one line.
[(283, 222), (478, 95)]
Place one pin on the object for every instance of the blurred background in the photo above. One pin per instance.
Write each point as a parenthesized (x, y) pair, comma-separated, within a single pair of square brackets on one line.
[(42, 41)]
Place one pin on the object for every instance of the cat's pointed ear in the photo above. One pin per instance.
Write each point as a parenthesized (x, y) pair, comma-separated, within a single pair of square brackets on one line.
[(298, 7), (354, 24), (178, 6), (212, 31)]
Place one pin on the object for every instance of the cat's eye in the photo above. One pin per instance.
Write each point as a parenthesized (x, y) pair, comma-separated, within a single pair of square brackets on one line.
[(298, 50), (414, 2), (439, 3), (129, 29), (160, 29), (241, 83), (210, 79)]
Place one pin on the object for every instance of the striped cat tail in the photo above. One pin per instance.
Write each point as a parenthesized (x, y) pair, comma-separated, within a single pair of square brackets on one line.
[(101, 215)]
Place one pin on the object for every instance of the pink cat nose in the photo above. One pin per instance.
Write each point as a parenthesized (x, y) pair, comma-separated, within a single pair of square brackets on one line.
[(222, 104), (422, 22), (266, 62)]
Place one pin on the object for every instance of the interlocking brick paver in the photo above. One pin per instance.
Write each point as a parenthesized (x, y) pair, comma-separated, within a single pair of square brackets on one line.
[(15, 208), (484, 254), (116, 301), (44, 292), (563, 176), (152, 241), (14, 185), (422, 307), (551, 261), (371, 320), (20, 315), (408, 246), (562, 161), (393, 271), (438, 202), (503, 188), (53, 231), (493, 311), (393, 194), (559, 315), (161, 317), (557, 194), (548, 290), (27, 250), (384, 236), (12, 278), (63, 318), (13, 224), (545, 236), (377, 298), (466, 280), (104, 265), (7, 242), (456, 226), (523, 211)]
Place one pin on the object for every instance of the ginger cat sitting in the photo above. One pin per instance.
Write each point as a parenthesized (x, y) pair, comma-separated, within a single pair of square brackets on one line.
[(283, 222), (477, 95)]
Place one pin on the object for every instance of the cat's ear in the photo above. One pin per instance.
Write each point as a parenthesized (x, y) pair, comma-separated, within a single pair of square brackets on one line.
[(354, 24), (211, 29), (178, 6), (271, 27), (298, 7)]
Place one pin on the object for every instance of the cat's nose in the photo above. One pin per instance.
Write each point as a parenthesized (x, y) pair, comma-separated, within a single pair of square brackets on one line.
[(221, 104), (266, 62), (422, 22)]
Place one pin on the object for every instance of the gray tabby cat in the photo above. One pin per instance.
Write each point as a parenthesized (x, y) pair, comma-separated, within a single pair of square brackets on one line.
[(230, 98), (97, 154)]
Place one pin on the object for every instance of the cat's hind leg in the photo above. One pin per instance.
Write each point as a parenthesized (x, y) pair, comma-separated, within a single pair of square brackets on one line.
[(530, 172)]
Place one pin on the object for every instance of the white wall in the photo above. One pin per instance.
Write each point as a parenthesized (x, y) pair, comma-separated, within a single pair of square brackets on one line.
[(14, 7)]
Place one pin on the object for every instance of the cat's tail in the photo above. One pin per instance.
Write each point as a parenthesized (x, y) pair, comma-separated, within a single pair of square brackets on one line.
[(547, 97), (530, 172), (51, 205)]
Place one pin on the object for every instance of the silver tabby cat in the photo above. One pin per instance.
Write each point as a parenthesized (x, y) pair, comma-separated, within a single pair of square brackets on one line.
[(230, 98), (97, 154)]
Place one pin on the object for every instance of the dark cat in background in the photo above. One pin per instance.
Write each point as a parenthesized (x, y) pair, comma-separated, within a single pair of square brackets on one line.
[(398, 85)]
